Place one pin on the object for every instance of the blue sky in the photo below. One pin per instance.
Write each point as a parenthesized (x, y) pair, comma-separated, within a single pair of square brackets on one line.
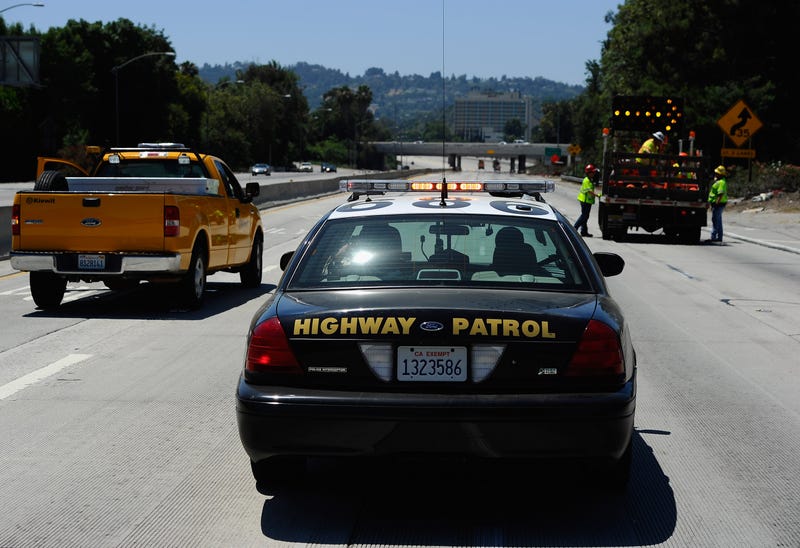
[(549, 38)]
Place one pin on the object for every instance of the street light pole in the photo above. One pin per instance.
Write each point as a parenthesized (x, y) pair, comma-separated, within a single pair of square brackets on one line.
[(115, 71), (34, 4)]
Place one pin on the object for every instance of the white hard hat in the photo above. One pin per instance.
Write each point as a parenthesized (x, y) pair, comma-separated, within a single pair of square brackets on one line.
[(658, 135)]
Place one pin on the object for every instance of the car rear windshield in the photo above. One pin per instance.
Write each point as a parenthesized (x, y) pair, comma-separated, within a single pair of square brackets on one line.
[(424, 250), (168, 168)]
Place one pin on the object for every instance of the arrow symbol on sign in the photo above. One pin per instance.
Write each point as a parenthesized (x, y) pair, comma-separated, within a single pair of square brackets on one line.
[(744, 116)]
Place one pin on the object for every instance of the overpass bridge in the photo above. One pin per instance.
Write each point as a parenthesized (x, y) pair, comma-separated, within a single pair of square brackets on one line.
[(520, 153)]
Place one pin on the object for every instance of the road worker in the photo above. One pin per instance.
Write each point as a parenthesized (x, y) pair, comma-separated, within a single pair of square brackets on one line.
[(586, 197)]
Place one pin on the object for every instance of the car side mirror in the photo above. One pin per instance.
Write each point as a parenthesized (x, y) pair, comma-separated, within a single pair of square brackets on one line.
[(610, 264), (285, 258), (252, 189)]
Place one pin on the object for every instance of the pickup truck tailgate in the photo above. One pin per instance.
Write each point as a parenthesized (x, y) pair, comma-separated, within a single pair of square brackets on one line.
[(71, 221)]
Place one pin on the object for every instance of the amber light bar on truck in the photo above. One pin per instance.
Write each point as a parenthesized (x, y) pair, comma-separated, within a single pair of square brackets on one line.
[(377, 186)]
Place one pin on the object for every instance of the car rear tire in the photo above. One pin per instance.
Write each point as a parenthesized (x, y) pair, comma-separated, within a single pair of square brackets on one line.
[(252, 272), (193, 285), (53, 181), (617, 476), (47, 289), (278, 474)]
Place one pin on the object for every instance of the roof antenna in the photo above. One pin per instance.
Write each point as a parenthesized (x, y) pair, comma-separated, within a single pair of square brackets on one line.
[(442, 202)]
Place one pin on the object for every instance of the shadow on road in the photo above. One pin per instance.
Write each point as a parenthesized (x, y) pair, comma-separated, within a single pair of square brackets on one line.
[(447, 502), (152, 301)]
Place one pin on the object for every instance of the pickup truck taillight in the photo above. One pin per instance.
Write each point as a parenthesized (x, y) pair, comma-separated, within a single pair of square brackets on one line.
[(15, 220), (172, 221)]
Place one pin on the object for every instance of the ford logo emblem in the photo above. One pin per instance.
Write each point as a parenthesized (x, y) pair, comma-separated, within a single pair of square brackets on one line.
[(91, 221), (431, 326)]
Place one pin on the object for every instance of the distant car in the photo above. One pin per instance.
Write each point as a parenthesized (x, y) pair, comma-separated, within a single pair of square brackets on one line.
[(326, 167), (413, 323), (306, 166), (261, 169)]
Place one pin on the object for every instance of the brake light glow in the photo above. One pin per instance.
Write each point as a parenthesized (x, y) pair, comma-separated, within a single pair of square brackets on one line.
[(268, 350), (599, 353), (172, 221), (15, 220)]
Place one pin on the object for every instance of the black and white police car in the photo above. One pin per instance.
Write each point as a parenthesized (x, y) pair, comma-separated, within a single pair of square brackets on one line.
[(438, 318)]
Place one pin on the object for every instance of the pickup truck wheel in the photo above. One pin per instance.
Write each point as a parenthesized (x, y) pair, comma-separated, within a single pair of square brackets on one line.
[(193, 284), (252, 272), (51, 180), (47, 289)]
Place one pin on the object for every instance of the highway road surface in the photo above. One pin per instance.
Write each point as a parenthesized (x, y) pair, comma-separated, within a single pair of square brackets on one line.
[(118, 428)]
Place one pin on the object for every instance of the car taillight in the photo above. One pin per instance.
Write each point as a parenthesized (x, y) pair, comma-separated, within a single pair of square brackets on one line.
[(598, 353), (268, 350), (172, 221), (15, 220)]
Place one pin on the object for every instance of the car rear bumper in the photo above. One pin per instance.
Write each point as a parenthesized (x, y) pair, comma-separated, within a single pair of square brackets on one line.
[(321, 423), (63, 263)]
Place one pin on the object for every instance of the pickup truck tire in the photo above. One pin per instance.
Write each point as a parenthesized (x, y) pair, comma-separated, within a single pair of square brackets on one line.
[(251, 273), (193, 285), (47, 289), (51, 180)]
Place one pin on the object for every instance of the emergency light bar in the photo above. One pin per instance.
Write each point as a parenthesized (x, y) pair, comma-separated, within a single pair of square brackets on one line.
[(378, 186)]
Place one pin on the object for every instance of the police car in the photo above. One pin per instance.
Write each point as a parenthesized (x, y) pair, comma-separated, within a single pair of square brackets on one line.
[(439, 318)]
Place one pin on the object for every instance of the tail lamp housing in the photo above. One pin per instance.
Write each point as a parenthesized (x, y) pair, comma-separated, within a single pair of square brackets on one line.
[(268, 350)]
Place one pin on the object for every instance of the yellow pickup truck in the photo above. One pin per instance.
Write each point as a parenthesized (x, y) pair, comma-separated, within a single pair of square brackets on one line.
[(159, 212)]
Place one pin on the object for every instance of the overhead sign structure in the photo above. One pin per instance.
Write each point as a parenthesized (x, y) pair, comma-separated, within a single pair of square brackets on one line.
[(19, 61), (739, 123)]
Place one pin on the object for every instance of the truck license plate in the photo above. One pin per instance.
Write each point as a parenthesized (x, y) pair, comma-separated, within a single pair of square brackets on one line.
[(432, 363), (91, 262)]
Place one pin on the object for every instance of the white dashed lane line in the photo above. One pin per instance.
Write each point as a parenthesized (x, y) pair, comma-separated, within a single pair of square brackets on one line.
[(11, 388)]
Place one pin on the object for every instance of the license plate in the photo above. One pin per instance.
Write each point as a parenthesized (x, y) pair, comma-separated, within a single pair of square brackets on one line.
[(432, 363), (91, 262)]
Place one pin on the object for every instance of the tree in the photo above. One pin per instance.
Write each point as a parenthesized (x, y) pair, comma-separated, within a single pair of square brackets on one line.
[(345, 117), (79, 85), (514, 129), (700, 51), (282, 135)]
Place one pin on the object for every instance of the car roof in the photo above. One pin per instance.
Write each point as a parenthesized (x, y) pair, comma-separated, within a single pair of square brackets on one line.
[(456, 203)]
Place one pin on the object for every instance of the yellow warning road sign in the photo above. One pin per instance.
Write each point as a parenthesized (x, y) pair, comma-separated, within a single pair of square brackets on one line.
[(739, 123)]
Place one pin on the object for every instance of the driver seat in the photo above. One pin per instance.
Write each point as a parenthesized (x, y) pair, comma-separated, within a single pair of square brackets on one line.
[(512, 256)]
